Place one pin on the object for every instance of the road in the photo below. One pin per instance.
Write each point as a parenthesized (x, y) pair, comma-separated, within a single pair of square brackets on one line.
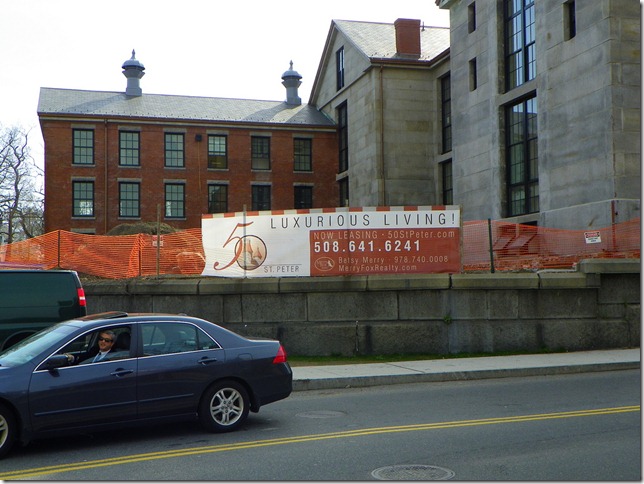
[(567, 427)]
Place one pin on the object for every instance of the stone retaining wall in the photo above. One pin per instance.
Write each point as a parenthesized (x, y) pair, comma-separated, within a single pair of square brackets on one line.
[(595, 307)]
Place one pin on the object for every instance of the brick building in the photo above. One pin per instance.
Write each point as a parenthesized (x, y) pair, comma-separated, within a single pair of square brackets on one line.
[(119, 157)]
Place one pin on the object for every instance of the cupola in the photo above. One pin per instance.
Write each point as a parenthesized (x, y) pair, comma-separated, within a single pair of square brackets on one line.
[(291, 81), (133, 71)]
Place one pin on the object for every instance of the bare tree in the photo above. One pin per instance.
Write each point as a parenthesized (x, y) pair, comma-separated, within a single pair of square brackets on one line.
[(21, 203)]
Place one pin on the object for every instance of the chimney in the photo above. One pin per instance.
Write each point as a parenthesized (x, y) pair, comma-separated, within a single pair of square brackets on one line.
[(133, 71), (291, 81), (407, 37)]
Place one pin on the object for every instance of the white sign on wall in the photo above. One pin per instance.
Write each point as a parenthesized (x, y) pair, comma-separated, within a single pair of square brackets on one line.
[(331, 242)]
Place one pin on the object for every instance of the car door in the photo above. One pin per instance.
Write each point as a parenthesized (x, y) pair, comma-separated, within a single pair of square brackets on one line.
[(92, 394), (178, 362)]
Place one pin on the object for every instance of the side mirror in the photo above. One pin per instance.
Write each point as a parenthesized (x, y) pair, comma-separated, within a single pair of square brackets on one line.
[(57, 361)]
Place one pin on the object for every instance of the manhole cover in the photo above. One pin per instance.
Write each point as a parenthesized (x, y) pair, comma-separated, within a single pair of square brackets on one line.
[(321, 414), (413, 472)]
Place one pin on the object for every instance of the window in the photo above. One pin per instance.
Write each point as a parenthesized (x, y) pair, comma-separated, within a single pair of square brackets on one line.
[(261, 197), (128, 148), (260, 148), (520, 55), (446, 114), (343, 142), (167, 338), (471, 17), (303, 197), (522, 158), (473, 75), (570, 20), (129, 199), (343, 185), (339, 68), (174, 150), (447, 188), (175, 201), (83, 146), (217, 151), (302, 153), (83, 199), (217, 198)]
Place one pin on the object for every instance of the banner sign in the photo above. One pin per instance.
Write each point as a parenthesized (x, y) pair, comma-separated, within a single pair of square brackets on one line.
[(332, 242)]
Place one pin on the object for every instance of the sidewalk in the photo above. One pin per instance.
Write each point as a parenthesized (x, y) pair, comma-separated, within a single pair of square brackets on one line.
[(371, 374)]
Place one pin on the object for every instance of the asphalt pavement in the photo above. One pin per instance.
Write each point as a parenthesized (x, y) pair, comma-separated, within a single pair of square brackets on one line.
[(452, 369)]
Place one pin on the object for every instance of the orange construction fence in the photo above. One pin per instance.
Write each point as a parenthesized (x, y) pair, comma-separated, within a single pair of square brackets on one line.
[(515, 247)]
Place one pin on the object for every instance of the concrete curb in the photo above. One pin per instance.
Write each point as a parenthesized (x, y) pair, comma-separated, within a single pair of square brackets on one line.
[(357, 376)]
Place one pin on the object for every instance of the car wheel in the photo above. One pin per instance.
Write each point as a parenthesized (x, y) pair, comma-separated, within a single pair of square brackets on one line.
[(7, 430), (224, 407)]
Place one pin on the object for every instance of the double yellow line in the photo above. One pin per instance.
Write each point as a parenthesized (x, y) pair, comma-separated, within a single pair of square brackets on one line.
[(57, 469)]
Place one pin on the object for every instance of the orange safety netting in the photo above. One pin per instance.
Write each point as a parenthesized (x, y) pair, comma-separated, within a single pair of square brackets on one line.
[(515, 247)]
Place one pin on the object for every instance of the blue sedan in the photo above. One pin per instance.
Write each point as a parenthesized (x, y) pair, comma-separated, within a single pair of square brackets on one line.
[(113, 369)]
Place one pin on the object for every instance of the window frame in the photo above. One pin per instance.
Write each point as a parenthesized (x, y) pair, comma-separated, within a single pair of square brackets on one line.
[(77, 206), (519, 42), (522, 157), (447, 182), (217, 159), (260, 152), (343, 137), (303, 154), (82, 147), (174, 150), (129, 203), (302, 196), (446, 113), (339, 68), (129, 155), (220, 201), (170, 202), (260, 197)]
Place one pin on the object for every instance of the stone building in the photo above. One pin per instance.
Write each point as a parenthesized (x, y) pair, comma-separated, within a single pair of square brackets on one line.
[(545, 102), (118, 157)]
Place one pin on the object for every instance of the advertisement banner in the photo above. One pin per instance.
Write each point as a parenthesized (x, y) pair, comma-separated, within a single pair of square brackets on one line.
[(333, 242)]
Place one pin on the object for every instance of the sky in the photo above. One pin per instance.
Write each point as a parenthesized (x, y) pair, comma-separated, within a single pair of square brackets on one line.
[(232, 49)]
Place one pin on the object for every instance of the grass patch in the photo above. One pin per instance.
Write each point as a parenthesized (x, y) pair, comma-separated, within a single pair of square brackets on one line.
[(297, 360)]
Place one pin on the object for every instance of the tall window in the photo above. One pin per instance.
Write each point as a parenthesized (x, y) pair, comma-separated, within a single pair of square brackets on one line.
[(174, 150), (339, 68), (129, 148), (448, 187), (446, 114), (260, 152), (175, 200), (522, 158), (217, 198), (520, 55), (83, 140), (471, 17), (303, 197), (343, 185), (302, 153), (129, 199), (343, 142), (261, 197), (570, 20), (83, 199), (217, 151), (473, 75)]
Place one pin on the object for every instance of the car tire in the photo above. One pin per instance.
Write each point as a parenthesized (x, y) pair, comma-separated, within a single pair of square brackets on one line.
[(7, 430), (224, 407)]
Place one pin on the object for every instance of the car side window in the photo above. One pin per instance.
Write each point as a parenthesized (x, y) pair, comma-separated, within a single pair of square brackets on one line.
[(115, 345), (169, 338)]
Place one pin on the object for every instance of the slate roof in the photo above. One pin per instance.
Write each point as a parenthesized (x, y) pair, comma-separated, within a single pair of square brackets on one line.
[(73, 102), (378, 40)]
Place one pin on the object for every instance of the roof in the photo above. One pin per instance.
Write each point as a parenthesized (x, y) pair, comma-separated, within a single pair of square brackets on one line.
[(378, 40), (71, 102)]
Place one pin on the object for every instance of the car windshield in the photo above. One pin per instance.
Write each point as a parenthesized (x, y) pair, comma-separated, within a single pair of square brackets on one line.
[(29, 348)]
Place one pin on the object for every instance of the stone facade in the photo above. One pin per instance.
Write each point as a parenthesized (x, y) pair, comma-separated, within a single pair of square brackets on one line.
[(587, 90)]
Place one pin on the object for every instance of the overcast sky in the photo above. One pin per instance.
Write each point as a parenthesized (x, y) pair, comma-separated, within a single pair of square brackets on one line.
[(231, 49)]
